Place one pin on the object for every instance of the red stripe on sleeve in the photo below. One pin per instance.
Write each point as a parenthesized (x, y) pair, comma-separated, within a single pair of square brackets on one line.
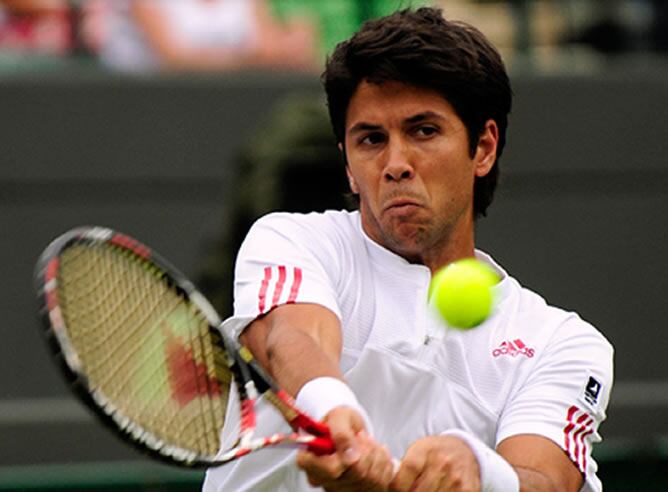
[(263, 289), (584, 449), (568, 428), (279, 286), (583, 423), (296, 283)]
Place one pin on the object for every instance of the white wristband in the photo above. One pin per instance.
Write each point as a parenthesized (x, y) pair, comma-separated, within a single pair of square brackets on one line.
[(496, 474), (320, 395)]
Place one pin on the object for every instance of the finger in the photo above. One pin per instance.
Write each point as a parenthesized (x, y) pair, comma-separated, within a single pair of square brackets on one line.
[(443, 471), (372, 472), (374, 463), (344, 423), (384, 466), (362, 465), (321, 469), (432, 481), (409, 470)]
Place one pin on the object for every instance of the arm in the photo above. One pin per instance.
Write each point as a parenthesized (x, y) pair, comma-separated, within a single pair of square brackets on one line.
[(540, 464), (447, 462), (298, 343), (532, 426)]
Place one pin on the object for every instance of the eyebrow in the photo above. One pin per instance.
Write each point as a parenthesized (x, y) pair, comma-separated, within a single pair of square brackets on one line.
[(363, 127), (425, 115)]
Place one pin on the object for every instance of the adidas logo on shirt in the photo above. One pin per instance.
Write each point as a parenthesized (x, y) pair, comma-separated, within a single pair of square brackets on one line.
[(513, 348)]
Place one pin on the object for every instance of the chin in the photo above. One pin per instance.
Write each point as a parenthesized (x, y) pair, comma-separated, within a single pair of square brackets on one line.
[(407, 239)]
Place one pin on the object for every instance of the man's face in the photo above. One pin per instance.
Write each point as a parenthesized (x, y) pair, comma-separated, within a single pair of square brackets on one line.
[(409, 161)]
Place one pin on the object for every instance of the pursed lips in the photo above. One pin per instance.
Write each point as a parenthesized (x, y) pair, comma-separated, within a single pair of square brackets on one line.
[(401, 203)]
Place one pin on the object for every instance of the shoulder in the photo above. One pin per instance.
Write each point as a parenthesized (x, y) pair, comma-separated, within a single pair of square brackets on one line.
[(522, 312), (528, 313), (329, 218), (330, 239), (557, 349), (332, 226), (523, 340)]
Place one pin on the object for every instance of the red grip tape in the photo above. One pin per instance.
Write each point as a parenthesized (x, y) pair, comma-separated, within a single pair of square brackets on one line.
[(321, 446)]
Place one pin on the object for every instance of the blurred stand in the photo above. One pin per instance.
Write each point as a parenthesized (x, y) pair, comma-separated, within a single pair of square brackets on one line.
[(615, 27), (202, 35), (566, 36), (36, 26), (149, 36)]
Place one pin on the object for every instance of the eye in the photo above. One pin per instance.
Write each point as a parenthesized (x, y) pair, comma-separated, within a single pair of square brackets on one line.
[(425, 131), (373, 138)]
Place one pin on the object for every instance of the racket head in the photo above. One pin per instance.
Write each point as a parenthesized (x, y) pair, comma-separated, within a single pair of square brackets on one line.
[(138, 344)]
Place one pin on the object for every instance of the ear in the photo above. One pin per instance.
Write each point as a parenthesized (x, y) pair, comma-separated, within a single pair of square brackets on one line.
[(485, 155), (351, 180)]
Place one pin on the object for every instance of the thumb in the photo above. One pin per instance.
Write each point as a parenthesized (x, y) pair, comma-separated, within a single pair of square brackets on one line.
[(344, 425)]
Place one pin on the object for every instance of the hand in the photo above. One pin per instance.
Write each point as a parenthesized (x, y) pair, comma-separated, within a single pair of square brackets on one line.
[(438, 463), (360, 463)]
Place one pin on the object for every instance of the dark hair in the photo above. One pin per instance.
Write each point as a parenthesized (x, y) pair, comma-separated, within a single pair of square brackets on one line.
[(421, 48)]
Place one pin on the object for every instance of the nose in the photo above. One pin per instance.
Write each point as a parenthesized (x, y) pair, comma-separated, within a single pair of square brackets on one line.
[(398, 166)]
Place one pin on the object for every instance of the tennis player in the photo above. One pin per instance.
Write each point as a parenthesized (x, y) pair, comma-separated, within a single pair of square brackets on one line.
[(336, 304)]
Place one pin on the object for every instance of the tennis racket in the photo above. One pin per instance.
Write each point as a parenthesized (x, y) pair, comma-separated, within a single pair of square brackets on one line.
[(145, 350)]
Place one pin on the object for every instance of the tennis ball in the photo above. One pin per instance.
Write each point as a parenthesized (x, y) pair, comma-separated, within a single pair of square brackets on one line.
[(462, 292)]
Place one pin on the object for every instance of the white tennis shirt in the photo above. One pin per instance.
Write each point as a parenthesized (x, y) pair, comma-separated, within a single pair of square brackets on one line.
[(530, 368)]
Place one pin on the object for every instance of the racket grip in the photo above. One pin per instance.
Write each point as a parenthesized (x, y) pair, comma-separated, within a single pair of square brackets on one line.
[(314, 427), (306, 423), (321, 446)]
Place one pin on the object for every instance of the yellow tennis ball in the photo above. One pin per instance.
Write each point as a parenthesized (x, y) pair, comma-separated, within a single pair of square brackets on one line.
[(462, 292)]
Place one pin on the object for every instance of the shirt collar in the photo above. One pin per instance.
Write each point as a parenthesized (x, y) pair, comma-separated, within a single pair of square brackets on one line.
[(394, 262)]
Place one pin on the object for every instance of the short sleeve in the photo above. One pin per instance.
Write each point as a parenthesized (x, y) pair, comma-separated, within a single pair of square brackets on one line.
[(565, 396), (284, 259)]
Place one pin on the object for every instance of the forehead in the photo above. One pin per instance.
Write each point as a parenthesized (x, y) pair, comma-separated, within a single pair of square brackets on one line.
[(394, 101)]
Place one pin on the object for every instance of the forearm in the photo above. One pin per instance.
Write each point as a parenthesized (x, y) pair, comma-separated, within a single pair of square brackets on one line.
[(534, 481), (295, 344), (295, 357)]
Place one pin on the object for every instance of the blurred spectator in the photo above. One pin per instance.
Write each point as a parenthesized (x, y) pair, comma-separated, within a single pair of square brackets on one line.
[(209, 35), (622, 26), (611, 31), (35, 26)]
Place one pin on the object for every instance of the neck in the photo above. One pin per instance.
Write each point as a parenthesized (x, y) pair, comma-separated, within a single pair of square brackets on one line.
[(434, 251), (456, 248)]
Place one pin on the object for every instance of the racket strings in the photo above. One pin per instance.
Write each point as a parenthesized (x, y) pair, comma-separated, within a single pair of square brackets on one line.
[(206, 385), (144, 345), (109, 308)]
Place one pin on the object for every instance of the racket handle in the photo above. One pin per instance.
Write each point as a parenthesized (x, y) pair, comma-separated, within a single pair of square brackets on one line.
[(313, 426), (306, 423), (321, 446)]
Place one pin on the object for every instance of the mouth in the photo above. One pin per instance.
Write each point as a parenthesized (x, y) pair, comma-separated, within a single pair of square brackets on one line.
[(402, 205)]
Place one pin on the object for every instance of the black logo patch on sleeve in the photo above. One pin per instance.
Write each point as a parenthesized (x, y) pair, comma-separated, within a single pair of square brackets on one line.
[(592, 391)]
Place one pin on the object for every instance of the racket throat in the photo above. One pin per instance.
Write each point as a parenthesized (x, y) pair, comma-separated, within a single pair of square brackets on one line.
[(248, 420)]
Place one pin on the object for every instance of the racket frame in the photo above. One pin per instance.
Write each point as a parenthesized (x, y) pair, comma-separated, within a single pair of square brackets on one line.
[(250, 379)]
